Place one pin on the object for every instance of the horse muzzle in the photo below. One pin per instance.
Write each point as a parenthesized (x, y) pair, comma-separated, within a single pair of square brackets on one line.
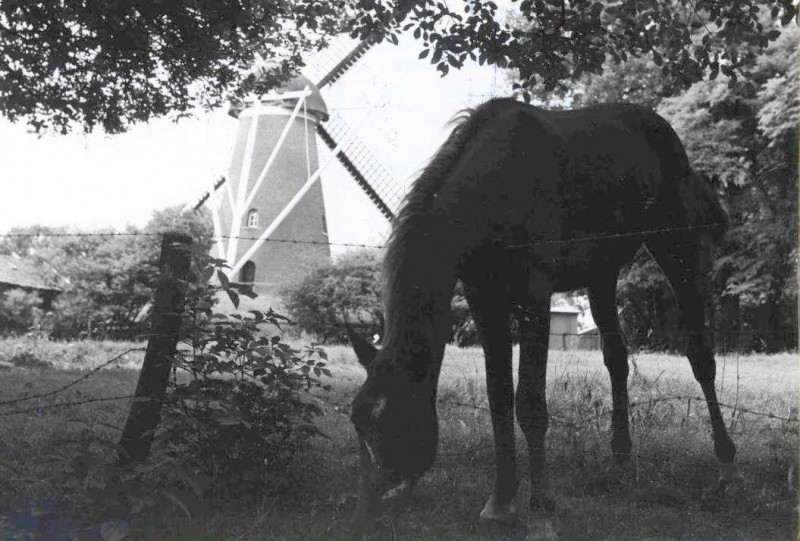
[(380, 491)]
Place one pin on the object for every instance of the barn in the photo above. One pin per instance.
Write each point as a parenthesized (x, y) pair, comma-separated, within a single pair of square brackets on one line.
[(563, 327)]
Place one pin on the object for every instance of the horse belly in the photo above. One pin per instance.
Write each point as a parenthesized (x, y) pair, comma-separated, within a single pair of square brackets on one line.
[(576, 265)]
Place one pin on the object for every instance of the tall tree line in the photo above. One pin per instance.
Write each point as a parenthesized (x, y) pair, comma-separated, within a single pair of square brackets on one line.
[(742, 133), (106, 278)]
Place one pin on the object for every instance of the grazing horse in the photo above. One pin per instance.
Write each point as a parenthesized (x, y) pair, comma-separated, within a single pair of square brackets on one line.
[(518, 203)]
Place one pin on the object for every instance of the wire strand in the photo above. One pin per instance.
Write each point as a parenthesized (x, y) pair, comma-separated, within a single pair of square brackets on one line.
[(532, 244)]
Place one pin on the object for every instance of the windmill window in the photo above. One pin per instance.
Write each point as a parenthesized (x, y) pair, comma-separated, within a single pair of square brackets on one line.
[(248, 273), (324, 226), (252, 218)]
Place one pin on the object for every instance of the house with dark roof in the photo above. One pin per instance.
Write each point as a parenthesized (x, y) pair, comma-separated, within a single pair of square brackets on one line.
[(20, 273)]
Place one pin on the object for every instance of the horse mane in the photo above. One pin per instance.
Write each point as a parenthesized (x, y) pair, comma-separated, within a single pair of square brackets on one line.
[(417, 215)]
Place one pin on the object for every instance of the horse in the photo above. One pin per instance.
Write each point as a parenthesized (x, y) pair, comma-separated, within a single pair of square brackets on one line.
[(518, 203)]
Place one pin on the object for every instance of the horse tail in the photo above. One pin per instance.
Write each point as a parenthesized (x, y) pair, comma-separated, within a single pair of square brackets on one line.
[(708, 211)]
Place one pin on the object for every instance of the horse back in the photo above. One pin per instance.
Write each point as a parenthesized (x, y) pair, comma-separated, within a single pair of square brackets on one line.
[(551, 180)]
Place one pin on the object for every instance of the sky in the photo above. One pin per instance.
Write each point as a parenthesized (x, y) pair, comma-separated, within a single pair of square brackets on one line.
[(96, 180)]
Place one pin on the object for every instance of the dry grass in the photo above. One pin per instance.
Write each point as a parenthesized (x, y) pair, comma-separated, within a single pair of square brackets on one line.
[(658, 496)]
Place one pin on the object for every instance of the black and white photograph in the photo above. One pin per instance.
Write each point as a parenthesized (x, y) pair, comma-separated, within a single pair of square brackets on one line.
[(480, 270)]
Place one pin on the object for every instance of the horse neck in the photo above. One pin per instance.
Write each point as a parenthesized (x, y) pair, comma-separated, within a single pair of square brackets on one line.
[(417, 308)]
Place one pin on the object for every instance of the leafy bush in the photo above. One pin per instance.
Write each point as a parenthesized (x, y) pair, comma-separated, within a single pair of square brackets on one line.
[(107, 280), (237, 415), (348, 290), (20, 310), (241, 412)]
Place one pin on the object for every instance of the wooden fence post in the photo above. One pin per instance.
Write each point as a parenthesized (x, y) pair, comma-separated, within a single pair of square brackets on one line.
[(145, 412)]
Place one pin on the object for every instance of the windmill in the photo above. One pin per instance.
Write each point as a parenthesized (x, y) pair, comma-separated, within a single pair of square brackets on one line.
[(269, 215)]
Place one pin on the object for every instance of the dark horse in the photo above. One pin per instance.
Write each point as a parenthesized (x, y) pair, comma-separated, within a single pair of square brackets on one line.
[(519, 203)]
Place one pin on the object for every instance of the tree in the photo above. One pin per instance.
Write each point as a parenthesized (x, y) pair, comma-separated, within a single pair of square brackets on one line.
[(109, 64), (25, 241), (197, 224), (106, 277), (743, 136), (19, 310), (67, 64), (747, 139), (349, 291)]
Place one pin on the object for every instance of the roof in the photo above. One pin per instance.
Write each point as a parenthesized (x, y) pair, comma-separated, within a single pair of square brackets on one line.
[(21, 272), (315, 105)]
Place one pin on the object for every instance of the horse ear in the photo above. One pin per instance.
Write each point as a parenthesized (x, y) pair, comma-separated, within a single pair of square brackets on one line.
[(365, 351)]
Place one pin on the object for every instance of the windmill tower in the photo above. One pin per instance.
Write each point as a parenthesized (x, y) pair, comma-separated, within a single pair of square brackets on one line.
[(269, 215), (274, 155)]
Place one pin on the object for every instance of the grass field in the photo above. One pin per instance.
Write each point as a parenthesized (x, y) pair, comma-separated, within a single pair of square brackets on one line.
[(659, 496)]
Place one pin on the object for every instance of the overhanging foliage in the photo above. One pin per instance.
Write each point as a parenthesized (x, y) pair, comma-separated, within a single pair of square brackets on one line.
[(109, 64)]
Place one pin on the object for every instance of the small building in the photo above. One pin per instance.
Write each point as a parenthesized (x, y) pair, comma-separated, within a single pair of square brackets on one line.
[(563, 327), (590, 339), (20, 273)]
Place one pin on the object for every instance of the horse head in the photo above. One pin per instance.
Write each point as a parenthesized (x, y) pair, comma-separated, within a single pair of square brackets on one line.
[(395, 419)]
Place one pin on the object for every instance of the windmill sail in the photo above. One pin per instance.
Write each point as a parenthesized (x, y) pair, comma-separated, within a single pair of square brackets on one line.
[(356, 158), (346, 63), (368, 173), (327, 67)]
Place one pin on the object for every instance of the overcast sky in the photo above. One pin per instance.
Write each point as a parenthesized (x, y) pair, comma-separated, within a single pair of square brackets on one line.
[(96, 180)]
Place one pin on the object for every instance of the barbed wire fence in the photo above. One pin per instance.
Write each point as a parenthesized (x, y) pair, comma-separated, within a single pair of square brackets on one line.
[(374, 246), (343, 407), (46, 401), (533, 244)]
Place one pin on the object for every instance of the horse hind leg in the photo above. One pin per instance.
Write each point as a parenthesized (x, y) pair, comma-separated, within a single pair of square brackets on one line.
[(602, 301), (686, 263)]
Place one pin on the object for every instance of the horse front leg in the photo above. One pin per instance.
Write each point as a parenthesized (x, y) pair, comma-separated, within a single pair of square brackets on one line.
[(492, 320), (531, 407)]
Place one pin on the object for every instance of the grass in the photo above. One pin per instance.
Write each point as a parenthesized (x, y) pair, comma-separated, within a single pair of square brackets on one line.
[(659, 495)]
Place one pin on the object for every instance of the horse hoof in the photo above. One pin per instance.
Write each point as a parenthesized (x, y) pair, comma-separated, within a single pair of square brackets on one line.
[(621, 457), (542, 530), (730, 482), (509, 528), (729, 474), (543, 500)]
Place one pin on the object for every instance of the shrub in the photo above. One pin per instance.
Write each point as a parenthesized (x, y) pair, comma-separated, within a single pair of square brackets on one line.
[(348, 290), (20, 310), (241, 413), (237, 415), (107, 280)]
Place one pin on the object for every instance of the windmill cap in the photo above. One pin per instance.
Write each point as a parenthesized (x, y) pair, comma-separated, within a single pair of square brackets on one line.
[(315, 105)]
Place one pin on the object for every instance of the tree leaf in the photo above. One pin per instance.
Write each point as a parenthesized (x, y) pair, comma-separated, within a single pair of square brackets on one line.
[(234, 297), (657, 58), (206, 274)]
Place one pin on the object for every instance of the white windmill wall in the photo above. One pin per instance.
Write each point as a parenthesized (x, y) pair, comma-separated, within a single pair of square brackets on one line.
[(279, 263)]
